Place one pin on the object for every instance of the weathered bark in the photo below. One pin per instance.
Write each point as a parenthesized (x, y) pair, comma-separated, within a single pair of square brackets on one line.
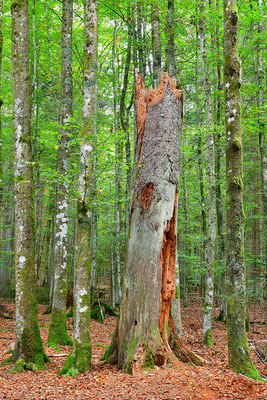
[(156, 45), (208, 305), (238, 349), (28, 345), (145, 333), (58, 325)]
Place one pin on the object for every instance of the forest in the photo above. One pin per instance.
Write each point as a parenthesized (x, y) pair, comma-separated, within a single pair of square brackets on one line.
[(133, 199)]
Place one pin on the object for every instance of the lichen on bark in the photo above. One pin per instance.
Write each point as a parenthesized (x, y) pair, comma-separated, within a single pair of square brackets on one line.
[(238, 349), (58, 327), (28, 344), (80, 357)]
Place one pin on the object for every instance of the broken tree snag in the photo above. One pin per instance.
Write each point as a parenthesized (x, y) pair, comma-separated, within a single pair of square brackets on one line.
[(145, 333)]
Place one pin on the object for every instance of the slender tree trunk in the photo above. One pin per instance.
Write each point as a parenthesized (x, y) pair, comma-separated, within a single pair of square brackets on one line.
[(262, 147), (238, 350), (156, 44), (145, 332), (112, 268), (171, 70), (124, 116), (220, 225), (147, 51), (58, 325), (80, 357), (202, 196), (1, 141), (177, 301), (36, 141), (208, 306), (256, 234), (218, 156), (171, 47), (93, 281), (200, 163), (51, 60), (117, 175), (28, 344), (7, 249), (50, 274), (186, 247), (1, 103), (140, 39)]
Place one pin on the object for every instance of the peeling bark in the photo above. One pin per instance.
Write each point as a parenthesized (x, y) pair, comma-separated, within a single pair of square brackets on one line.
[(145, 333)]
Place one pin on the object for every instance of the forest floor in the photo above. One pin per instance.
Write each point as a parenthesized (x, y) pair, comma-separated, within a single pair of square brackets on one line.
[(104, 382)]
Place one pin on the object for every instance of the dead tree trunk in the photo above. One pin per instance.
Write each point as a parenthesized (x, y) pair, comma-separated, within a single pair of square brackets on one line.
[(145, 333)]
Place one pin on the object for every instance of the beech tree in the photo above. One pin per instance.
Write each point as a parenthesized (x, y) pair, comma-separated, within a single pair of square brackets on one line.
[(80, 357), (238, 350), (211, 242), (28, 345), (58, 325), (145, 333)]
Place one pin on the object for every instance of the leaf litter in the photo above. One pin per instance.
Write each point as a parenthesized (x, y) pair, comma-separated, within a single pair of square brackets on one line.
[(214, 380)]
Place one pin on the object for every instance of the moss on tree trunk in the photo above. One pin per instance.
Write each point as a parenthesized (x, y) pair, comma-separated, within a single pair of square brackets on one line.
[(28, 344), (238, 349), (145, 333)]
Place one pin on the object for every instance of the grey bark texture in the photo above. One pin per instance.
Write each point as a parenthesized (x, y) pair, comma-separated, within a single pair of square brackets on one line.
[(145, 332), (211, 245), (117, 175), (28, 344), (238, 349), (58, 327)]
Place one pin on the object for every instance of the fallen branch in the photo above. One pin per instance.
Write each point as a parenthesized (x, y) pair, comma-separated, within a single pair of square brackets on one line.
[(262, 356), (58, 355), (7, 338)]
